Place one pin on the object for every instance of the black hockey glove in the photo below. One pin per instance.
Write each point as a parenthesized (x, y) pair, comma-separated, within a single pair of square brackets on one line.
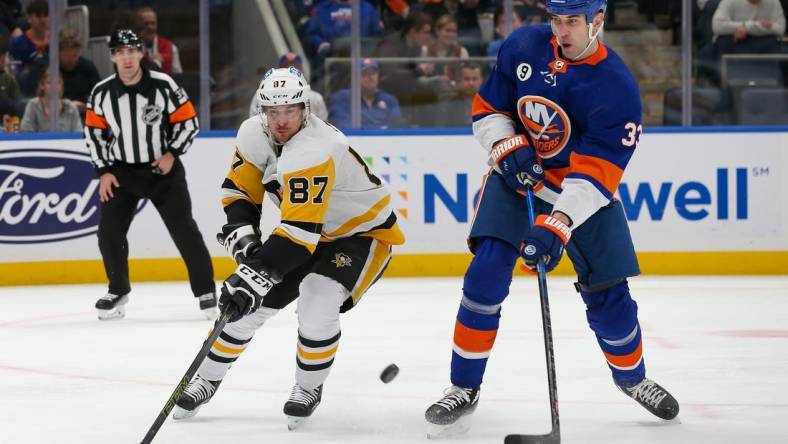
[(241, 242), (243, 292)]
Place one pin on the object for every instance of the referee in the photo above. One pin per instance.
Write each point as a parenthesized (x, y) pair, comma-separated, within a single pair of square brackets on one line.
[(138, 123)]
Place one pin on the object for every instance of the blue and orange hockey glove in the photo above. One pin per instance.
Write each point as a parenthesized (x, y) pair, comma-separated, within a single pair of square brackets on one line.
[(517, 161), (546, 241)]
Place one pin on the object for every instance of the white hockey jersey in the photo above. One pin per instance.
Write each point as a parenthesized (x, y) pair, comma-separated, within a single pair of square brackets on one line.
[(323, 187)]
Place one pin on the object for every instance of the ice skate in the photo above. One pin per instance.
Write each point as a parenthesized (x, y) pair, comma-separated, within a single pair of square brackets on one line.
[(654, 398), (449, 416), (198, 392), (112, 306), (208, 305), (301, 404)]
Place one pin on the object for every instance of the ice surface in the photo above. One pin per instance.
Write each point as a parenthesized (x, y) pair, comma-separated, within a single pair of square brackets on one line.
[(719, 344)]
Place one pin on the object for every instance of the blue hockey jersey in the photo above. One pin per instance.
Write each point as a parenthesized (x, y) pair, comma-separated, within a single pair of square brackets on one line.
[(582, 118)]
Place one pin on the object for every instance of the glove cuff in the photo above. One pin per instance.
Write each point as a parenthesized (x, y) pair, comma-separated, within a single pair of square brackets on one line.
[(508, 146), (555, 226), (259, 282), (239, 240)]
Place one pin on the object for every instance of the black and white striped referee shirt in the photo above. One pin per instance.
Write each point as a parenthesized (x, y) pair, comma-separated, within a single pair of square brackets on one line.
[(138, 124)]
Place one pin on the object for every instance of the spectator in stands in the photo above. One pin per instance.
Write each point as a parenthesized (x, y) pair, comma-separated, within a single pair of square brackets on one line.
[(33, 44), (79, 74), (328, 33), (9, 18), (466, 12), (332, 21), (9, 117), (500, 29), (379, 109), (455, 110), (9, 89), (160, 51), (444, 45), (394, 14), (748, 26), (316, 103), (402, 79), (38, 114), (532, 12)]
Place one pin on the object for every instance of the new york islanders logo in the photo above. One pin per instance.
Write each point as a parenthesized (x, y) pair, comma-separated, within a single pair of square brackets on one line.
[(546, 122)]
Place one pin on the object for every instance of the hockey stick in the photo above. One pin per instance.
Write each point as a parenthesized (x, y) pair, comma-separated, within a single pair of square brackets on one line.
[(555, 433), (170, 404)]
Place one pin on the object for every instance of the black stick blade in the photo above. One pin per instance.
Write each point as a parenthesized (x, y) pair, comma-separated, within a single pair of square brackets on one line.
[(553, 437)]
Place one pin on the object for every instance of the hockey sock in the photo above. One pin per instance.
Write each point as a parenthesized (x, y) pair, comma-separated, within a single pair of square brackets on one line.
[(314, 359), (224, 352), (612, 315), (485, 287)]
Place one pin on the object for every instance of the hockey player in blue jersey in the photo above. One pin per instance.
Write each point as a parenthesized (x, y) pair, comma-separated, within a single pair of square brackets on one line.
[(560, 113)]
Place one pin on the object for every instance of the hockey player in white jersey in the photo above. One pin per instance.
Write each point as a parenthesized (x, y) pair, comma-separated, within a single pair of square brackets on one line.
[(332, 243)]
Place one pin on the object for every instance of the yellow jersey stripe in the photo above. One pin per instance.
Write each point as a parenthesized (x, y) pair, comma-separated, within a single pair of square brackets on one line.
[(228, 350), (246, 177), (369, 215), (320, 355), (278, 231), (378, 261)]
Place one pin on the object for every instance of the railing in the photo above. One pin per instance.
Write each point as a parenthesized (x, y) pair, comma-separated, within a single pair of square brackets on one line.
[(399, 60)]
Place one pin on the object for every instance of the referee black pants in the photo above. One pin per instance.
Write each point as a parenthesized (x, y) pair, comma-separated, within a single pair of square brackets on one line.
[(170, 196)]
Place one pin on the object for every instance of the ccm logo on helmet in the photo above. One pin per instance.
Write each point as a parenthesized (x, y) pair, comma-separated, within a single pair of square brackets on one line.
[(546, 122)]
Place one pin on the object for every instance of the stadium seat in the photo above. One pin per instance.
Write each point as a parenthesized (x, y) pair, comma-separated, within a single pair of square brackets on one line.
[(763, 106), (710, 106)]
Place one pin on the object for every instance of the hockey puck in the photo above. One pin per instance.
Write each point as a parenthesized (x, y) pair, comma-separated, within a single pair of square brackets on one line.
[(389, 373)]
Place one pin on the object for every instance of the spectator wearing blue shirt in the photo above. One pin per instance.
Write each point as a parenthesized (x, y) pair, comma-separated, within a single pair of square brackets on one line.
[(500, 30), (332, 21), (34, 43), (379, 109)]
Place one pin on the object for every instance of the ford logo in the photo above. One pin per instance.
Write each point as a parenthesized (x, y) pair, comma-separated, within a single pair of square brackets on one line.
[(47, 195)]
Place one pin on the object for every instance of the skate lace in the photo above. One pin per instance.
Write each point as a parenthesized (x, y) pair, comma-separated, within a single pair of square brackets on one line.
[(455, 396), (649, 392), (110, 297), (200, 389), (303, 396)]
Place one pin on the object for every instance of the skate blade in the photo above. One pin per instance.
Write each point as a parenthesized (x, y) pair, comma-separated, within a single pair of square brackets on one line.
[(115, 313), (211, 313), (437, 431), (294, 422), (179, 413)]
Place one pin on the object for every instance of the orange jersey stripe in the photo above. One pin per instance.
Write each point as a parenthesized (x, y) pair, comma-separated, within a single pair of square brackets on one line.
[(94, 120), (480, 106), (472, 340), (185, 112), (556, 175), (607, 173), (626, 360)]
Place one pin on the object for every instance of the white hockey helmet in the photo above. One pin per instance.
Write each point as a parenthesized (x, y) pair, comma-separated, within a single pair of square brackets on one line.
[(284, 86)]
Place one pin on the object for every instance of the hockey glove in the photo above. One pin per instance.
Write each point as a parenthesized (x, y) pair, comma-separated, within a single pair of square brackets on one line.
[(243, 292), (546, 241), (517, 162), (241, 241)]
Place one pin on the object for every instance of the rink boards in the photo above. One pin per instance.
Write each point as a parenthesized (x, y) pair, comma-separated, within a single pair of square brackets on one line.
[(698, 202)]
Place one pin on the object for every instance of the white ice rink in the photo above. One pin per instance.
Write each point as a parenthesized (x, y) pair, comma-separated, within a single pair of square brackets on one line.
[(719, 344)]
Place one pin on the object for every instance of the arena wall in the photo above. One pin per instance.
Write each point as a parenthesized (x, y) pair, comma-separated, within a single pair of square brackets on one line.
[(704, 201)]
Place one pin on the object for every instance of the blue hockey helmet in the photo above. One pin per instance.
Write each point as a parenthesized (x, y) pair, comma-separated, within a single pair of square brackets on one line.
[(589, 8)]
